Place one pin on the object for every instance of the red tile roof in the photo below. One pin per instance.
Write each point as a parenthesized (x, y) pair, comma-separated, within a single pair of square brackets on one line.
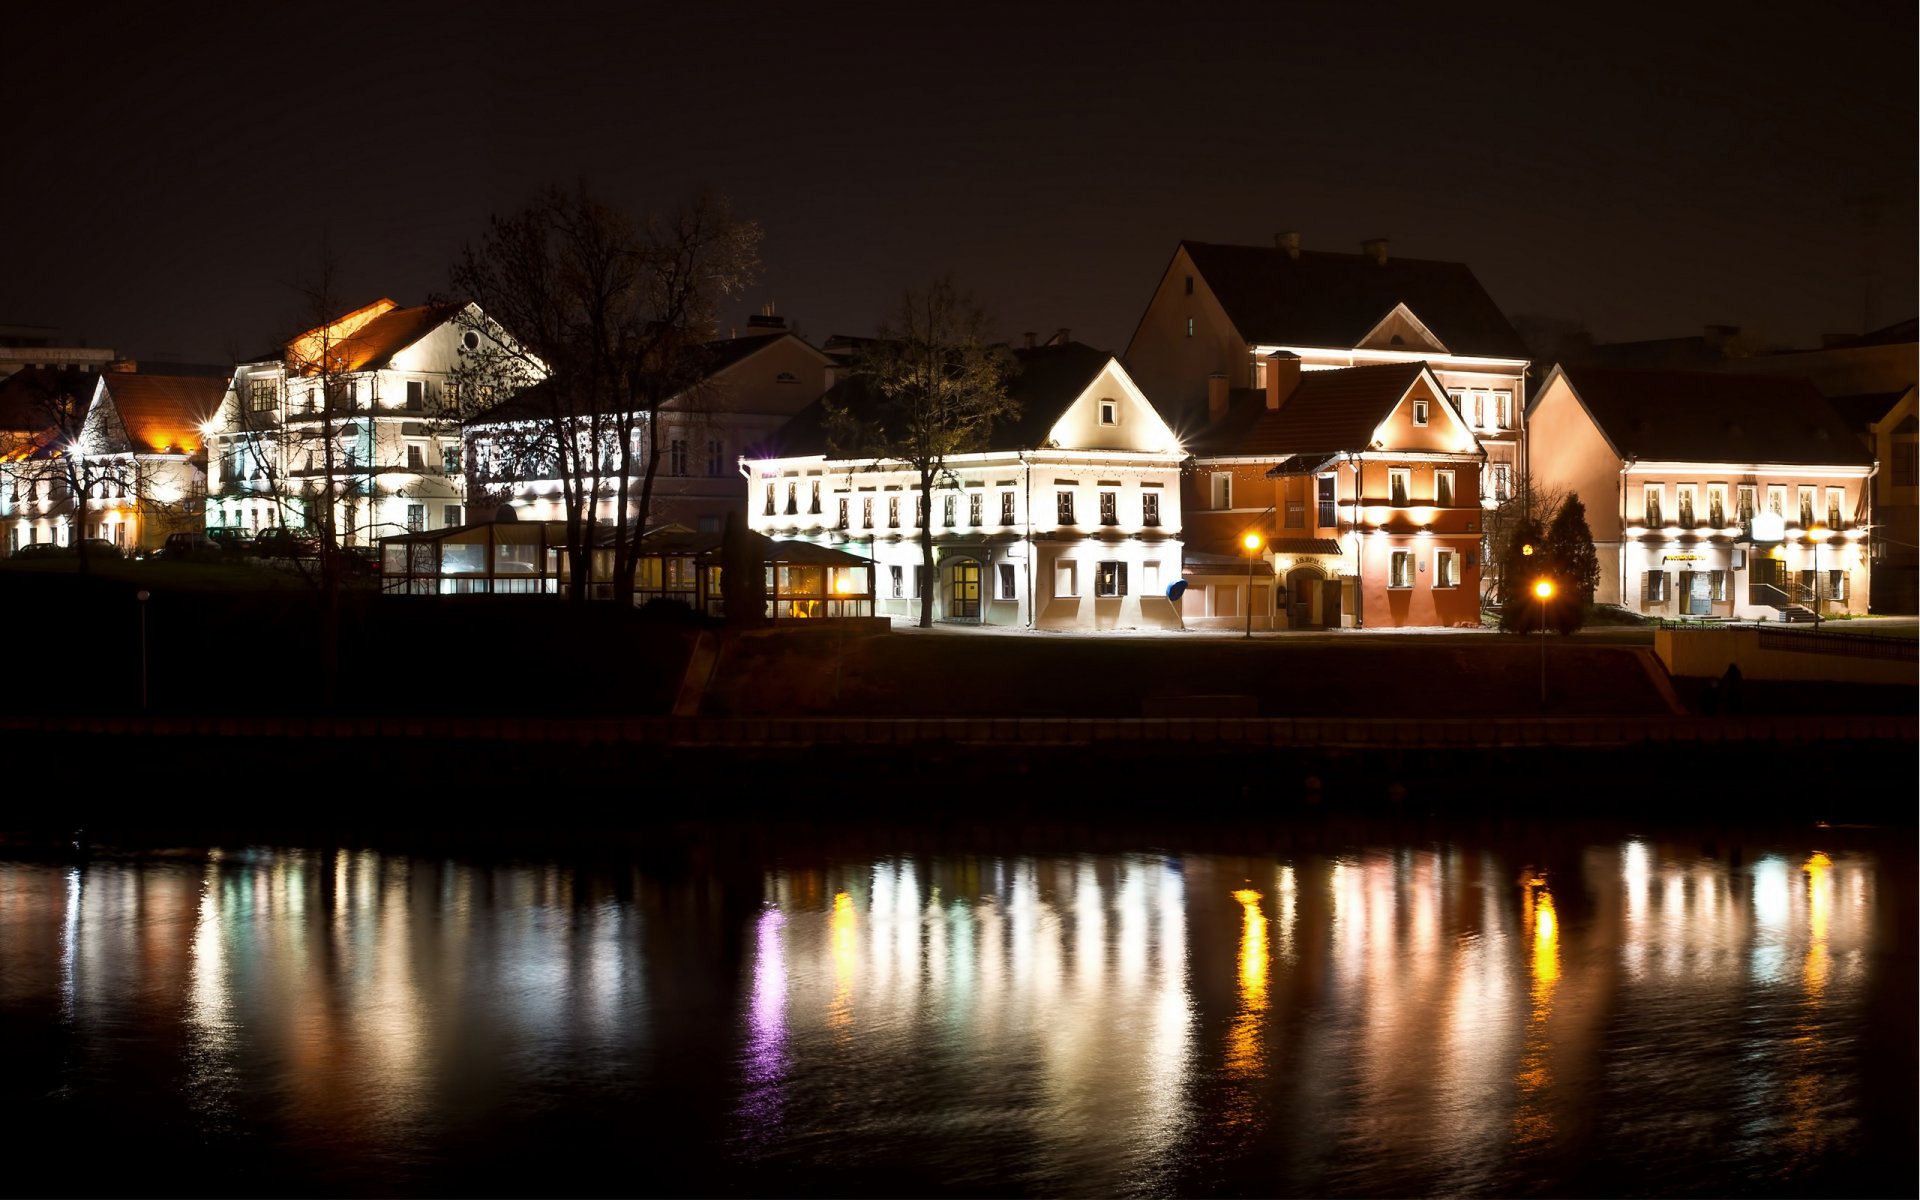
[(1329, 411), (163, 413)]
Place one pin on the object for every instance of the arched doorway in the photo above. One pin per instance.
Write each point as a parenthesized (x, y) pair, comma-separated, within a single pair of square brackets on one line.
[(1306, 605)]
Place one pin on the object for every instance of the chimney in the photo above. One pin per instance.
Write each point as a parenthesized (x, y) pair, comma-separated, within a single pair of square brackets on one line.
[(1376, 249), (1029, 335), (1061, 337), (1283, 375), (1216, 396), (1290, 242), (765, 321)]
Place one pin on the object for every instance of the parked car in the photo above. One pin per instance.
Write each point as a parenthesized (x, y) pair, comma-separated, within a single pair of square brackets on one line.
[(42, 550), (286, 543), (232, 540), (102, 548), (189, 547)]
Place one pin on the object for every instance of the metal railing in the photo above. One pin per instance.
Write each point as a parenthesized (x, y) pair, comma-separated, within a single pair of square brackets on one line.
[(1846, 645)]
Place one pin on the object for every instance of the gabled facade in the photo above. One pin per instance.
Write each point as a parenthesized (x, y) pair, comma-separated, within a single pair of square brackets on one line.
[(120, 459), (1224, 310), (1710, 494), (1069, 519), (357, 405), (753, 386), (1362, 486)]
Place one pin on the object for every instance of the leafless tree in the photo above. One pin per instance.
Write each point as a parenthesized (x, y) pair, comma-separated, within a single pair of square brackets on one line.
[(936, 386), (613, 315)]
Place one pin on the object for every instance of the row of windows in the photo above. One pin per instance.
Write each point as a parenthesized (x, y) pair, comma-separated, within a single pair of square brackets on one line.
[(1712, 585), (1687, 509), (1109, 580), (1064, 508), (1399, 492), (263, 395), (1404, 565), (677, 460), (1483, 408)]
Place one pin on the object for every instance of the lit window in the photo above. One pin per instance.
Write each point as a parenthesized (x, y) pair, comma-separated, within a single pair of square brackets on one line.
[(1189, 326), (1110, 579), (1397, 486), (1400, 569)]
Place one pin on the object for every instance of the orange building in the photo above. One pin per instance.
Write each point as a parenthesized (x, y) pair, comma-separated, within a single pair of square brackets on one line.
[(1362, 487)]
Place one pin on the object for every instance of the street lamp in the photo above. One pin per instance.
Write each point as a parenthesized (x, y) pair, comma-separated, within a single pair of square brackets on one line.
[(1543, 588), (1252, 542), (143, 596)]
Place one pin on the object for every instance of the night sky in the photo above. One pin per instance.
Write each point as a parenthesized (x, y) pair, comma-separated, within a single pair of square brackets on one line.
[(176, 168)]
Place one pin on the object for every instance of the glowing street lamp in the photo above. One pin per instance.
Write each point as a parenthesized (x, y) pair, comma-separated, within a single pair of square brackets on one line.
[(1252, 542), (1543, 588)]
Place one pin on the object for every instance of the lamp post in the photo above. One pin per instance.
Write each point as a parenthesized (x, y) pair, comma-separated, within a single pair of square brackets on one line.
[(142, 596), (1252, 542), (1544, 589)]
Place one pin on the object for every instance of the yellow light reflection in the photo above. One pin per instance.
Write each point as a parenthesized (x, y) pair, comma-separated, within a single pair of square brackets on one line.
[(1532, 1123), (1243, 1039), (1806, 1115), (845, 961)]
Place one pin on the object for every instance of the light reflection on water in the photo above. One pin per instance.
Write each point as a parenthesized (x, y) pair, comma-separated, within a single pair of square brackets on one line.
[(1430, 1019)]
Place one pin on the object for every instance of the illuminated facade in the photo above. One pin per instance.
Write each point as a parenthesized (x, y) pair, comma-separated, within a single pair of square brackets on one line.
[(753, 385), (119, 459), (354, 408), (1069, 519), (1362, 487), (1226, 311), (1710, 495)]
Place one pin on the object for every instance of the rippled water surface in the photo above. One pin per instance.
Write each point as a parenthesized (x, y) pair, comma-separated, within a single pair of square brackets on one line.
[(1622, 1016)]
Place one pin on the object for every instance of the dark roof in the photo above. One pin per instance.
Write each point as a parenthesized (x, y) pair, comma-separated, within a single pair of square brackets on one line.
[(1710, 416), (1049, 380), (1324, 299), (531, 403), (1328, 411), (1890, 335), (26, 396), (1862, 410)]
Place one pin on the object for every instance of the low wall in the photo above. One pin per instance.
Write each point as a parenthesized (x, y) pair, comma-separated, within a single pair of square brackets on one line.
[(1787, 654)]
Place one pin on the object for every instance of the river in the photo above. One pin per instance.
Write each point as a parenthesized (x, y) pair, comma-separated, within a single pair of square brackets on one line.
[(1482, 1014)]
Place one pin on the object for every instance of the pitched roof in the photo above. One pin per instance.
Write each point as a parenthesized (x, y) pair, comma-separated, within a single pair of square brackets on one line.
[(367, 338), (27, 395), (1334, 300), (1712, 417), (1049, 380), (163, 413), (532, 403), (1328, 411)]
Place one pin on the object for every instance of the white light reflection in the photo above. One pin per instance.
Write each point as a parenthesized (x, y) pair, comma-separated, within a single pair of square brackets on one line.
[(69, 946)]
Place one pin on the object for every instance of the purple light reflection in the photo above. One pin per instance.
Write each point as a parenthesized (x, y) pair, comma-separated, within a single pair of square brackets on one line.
[(764, 1061)]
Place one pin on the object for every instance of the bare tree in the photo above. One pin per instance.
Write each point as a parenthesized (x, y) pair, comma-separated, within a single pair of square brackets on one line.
[(937, 386), (1531, 504), (613, 315)]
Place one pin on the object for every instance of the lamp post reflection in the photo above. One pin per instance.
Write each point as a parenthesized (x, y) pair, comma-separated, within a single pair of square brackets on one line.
[(1544, 589), (1531, 1121)]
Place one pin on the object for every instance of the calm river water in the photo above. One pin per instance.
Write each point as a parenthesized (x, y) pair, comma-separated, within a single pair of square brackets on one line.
[(1619, 1015)]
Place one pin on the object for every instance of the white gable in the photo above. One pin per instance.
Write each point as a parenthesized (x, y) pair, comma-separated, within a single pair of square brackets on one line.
[(1401, 330), (1113, 414)]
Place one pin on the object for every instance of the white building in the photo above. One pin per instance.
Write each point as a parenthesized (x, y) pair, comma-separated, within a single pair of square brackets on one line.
[(364, 393), (1069, 519)]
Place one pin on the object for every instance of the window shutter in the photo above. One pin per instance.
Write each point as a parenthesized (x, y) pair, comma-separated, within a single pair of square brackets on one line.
[(1123, 581)]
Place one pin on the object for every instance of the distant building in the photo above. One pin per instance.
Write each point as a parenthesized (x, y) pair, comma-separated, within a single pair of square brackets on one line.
[(751, 386), (360, 405), (1362, 486), (23, 346), (1710, 494), (1068, 519), (1227, 310), (118, 456)]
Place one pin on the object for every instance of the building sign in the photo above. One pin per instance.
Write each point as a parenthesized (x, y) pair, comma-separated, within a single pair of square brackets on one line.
[(1680, 558)]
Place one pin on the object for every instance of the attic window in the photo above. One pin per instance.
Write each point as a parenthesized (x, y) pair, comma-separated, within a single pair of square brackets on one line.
[(786, 377), (470, 340), (1397, 340), (1419, 412), (1109, 413)]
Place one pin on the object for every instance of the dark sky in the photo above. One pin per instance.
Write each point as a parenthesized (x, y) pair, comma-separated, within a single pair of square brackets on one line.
[(1643, 170)]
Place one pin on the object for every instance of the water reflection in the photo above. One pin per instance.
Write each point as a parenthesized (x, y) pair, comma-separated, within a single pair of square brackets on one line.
[(1404, 1019)]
